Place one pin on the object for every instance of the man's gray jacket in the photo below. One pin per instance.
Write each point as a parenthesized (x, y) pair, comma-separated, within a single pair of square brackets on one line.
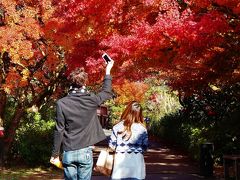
[(77, 124)]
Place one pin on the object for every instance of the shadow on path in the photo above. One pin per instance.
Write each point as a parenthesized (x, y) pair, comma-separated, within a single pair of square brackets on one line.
[(162, 162)]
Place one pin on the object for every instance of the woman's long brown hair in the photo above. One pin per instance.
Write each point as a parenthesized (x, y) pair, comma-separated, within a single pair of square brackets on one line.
[(132, 114)]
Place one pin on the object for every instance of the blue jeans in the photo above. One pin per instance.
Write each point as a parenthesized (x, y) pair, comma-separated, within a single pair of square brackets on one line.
[(78, 164)]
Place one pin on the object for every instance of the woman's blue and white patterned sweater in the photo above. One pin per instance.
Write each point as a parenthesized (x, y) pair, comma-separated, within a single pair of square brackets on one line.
[(137, 143)]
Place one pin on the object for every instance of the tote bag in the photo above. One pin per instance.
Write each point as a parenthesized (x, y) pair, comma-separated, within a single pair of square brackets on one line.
[(104, 163)]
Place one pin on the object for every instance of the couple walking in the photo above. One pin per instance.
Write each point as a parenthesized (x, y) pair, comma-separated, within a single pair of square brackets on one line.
[(78, 129)]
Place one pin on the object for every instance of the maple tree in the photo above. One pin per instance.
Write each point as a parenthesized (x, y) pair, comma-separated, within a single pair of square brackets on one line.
[(189, 43), (185, 42), (31, 66)]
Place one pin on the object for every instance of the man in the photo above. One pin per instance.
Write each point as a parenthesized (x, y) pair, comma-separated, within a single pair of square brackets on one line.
[(77, 125)]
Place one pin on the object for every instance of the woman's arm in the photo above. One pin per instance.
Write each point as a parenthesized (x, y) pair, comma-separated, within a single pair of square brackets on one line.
[(145, 141), (113, 140)]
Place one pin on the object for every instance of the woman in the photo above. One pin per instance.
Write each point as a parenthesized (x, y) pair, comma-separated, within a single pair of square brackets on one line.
[(129, 140)]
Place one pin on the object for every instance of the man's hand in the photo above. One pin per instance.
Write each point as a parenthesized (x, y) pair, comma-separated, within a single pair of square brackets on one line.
[(109, 67), (53, 159), (56, 161)]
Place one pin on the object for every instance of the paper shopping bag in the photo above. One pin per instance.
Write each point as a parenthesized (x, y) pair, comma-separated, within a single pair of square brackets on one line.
[(104, 163)]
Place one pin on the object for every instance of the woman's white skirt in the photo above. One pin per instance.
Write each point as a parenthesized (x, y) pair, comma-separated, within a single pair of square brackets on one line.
[(129, 165)]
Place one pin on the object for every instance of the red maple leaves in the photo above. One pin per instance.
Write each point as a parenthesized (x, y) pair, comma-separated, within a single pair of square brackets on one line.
[(185, 42)]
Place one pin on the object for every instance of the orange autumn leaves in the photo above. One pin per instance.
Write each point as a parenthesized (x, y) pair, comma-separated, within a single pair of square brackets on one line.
[(26, 55), (19, 31), (129, 91)]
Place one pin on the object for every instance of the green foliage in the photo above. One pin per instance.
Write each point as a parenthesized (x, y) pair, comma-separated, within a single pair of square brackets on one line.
[(225, 135), (35, 138), (192, 139), (205, 117), (175, 130), (115, 111), (160, 101), (168, 127), (9, 112), (216, 114)]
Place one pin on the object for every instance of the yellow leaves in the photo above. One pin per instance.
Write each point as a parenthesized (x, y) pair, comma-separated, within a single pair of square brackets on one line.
[(15, 80), (11, 17), (218, 49), (20, 50), (214, 88), (13, 40), (20, 29), (7, 90), (47, 9), (29, 12), (11, 81), (34, 109), (25, 50), (15, 17), (14, 56), (20, 40), (25, 74), (90, 30), (31, 28), (9, 35)]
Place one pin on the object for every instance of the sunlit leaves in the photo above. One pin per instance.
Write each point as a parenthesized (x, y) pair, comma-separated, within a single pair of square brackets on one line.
[(13, 79), (129, 91), (24, 51), (161, 101), (180, 41)]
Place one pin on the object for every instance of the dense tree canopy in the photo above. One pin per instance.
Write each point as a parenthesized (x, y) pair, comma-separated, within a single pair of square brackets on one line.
[(188, 43)]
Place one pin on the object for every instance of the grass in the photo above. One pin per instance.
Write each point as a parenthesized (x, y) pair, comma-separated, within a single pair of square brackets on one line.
[(25, 173)]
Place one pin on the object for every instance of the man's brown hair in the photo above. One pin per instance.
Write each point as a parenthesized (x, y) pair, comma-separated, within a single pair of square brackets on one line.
[(78, 77)]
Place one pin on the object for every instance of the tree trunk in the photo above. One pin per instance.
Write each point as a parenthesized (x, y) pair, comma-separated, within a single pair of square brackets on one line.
[(11, 131), (3, 100)]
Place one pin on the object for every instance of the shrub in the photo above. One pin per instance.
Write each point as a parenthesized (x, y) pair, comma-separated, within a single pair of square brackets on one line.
[(34, 139)]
